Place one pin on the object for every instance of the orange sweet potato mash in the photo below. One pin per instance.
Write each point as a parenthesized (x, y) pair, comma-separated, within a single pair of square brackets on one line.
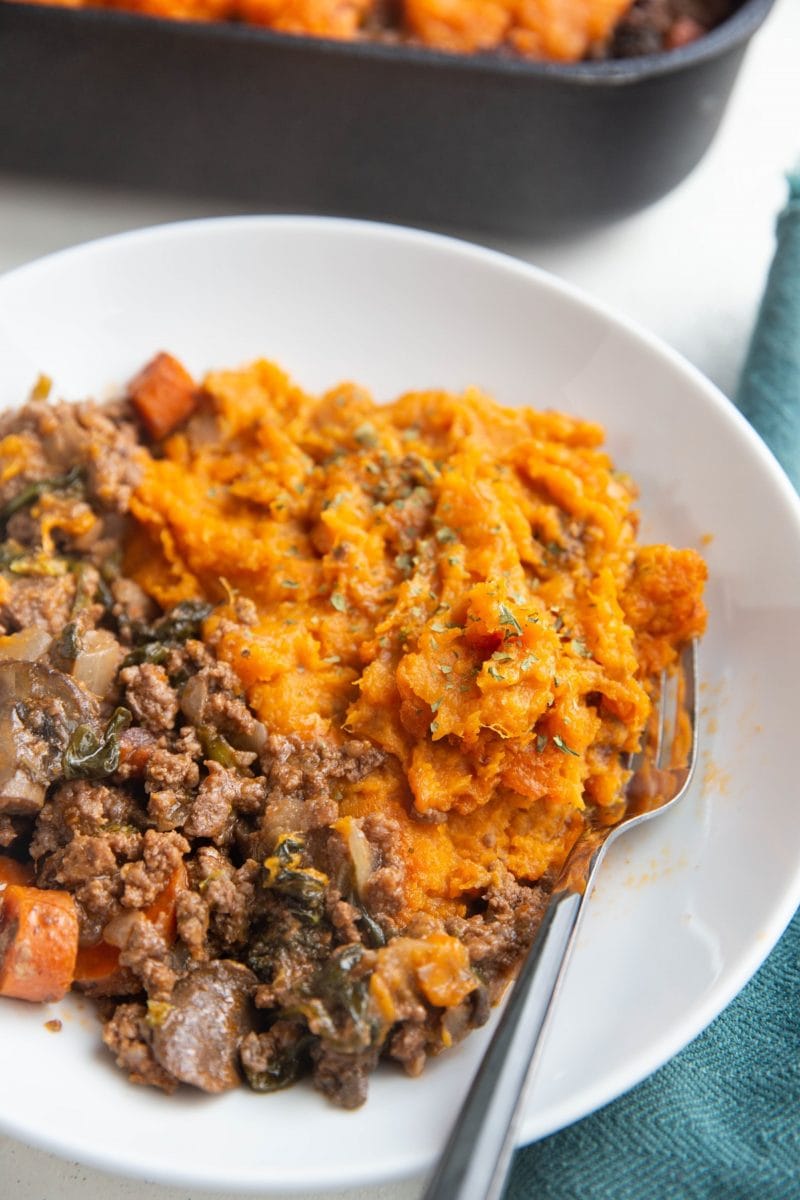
[(456, 582)]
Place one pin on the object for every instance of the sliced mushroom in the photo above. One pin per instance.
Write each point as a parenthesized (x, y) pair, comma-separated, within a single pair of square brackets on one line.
[(39, 710), (198, 1039)]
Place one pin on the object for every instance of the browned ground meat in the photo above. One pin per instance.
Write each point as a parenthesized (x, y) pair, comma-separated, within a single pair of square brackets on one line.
[(343, 1078), (39, 602), (149, 696), (498, 937), (147, 954), (128, 1035), (144, 879), (102, 441), (299, 774)]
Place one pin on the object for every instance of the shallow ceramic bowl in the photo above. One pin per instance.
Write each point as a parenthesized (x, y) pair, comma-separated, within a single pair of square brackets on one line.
[(685, 909)]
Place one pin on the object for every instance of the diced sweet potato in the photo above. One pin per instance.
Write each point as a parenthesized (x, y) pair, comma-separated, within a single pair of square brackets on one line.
[(163, 394)]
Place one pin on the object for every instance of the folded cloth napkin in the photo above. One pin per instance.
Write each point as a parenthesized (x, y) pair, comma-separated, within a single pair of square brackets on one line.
[(721, 1121), (769, 390)]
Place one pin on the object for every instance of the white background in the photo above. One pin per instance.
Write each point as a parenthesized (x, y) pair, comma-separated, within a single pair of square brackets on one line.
[(691, 269)]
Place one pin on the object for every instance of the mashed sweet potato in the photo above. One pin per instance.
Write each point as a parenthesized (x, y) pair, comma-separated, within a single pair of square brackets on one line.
[(457, 583)]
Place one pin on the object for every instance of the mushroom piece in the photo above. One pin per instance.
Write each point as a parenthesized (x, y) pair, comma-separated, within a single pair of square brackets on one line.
[(209, 1014), (39, 710)]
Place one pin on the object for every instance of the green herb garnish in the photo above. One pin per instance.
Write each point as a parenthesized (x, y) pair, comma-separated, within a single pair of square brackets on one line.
[(446, 535)]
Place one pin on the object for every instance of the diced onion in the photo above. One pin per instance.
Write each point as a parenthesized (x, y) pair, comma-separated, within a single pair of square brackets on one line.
[(255, 740), (98, 661), (360, 852), (118, 929), (19, 794), (25, 646), (193, 699)]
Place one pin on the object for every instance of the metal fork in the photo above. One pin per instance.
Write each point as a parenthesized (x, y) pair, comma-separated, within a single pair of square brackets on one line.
[(476, 1158)]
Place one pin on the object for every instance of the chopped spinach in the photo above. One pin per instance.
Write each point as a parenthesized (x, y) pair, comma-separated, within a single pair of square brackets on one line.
[(34, 491), (288, 1062), (68, 645), (153, 642), (90, 755), (337, 1006), (303, 886)]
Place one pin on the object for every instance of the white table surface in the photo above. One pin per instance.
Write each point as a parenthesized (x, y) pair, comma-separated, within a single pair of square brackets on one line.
[(691, 269)]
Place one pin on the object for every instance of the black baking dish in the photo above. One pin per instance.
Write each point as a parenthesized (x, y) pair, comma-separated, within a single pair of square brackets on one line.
[(306, 125)]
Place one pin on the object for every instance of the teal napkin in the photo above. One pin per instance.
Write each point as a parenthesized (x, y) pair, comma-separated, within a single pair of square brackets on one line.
[(721, 1121), (769, 390)]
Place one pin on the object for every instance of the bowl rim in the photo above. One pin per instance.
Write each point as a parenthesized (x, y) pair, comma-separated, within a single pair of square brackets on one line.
[(734, 31)]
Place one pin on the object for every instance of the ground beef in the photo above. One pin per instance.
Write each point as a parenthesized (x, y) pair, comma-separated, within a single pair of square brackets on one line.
[(162, 854), (299, 773), (148, 955), (213, 697), (383, 891), (110, 447), (43, 602), (149, 696), (192, 917), (97, 902), (221, 792), (66, 434), (170, 780), (84, 859), (128, 1036), (231, 896), (187, 659), (498, 937), (343, 1078), (82, 806)]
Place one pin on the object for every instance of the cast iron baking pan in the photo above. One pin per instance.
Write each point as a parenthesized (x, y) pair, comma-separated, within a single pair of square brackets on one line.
[(392, 132)]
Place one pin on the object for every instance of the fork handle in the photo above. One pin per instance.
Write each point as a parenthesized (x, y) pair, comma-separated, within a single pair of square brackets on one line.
[(475, 1160)]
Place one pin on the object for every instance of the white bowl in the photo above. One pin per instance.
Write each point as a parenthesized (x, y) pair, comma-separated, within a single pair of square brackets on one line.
[(685, 909)]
